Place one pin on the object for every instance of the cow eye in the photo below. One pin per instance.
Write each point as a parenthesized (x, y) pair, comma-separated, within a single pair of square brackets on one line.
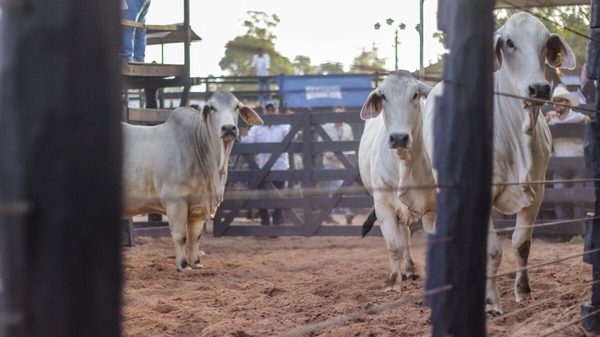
[(383, 97), (415, 95), (212, 108), (510, 44)]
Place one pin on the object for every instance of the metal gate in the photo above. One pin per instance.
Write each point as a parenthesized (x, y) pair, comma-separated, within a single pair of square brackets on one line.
[(307, 200)]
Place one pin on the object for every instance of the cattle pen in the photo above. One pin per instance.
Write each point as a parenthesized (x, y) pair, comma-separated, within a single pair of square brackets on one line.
[(63, 272)]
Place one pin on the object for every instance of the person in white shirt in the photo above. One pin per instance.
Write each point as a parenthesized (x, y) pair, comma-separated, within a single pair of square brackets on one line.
[(270, 134), (566, 147), (261, 62), (337, 132)]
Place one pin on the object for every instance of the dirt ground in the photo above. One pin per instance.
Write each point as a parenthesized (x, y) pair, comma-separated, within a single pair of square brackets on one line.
[(268, 286)]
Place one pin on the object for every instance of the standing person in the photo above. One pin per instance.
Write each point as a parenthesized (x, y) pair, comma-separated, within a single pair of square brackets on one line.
[(268, 133), (134, 39), (566, 147), (261, 62), (338, 131)]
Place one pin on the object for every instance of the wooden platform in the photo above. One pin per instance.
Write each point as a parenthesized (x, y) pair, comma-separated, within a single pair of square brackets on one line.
[(135, 69)]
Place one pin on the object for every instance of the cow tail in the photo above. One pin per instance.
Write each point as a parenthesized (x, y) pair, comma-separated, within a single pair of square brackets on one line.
[(369, 222)]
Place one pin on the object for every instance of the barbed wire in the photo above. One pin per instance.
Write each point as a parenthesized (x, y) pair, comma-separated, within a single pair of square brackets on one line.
[(545, 224), (542, 17), (504, 94), (310, 328), (547, 300), (575, 321), (543, 264)]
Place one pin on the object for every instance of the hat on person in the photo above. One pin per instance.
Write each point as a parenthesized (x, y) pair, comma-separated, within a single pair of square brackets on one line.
[(271, 103), (564, 93)]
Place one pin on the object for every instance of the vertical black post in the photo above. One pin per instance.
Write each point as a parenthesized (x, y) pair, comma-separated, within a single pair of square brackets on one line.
[(59, 127), (591, 320), (463, 157), (186, 52), (307, 165), (12, 194)]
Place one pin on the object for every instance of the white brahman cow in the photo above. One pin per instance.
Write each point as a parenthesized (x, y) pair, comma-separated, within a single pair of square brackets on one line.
[(179, 168), (392, 156), (522, 140)]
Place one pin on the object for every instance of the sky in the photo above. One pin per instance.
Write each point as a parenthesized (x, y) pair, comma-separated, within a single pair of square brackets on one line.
[(324, 30)]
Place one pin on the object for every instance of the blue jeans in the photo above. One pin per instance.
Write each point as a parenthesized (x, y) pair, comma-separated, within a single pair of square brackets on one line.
[(263, 86), (134, 39)]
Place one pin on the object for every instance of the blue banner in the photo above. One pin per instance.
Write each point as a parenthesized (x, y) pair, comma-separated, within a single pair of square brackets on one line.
[(312, 91)]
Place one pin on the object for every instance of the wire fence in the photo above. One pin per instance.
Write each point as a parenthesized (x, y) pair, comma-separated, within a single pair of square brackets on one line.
[(543, 264), (311, 328), (544, 18)]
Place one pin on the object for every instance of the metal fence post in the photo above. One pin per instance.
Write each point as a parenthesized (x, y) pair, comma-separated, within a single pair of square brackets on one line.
[(590, 311), (463, 158)]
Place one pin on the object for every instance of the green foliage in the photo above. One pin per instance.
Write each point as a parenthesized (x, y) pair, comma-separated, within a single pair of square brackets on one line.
[(302, 66), (239, 51), (576, 18), (329, 68), (368, 61), (576, 240)]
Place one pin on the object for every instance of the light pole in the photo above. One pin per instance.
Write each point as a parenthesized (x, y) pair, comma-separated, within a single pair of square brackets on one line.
[(421, 28), (402, 26)]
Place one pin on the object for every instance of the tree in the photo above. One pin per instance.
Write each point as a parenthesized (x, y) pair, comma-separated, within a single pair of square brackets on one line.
[(302, 66), (329, 68), (368, 61), (259, 33), (576, 18)]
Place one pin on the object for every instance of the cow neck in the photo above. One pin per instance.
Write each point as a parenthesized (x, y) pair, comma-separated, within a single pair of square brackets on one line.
[(511, 144), (205, 154)]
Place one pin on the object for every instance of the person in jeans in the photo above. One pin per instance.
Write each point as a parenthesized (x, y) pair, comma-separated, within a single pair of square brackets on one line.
[(261, 62), (134, 39), (270, 134)]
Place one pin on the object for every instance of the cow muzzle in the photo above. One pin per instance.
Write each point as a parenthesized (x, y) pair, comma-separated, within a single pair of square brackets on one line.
[(538, 91), (229, 132), (399, 140)]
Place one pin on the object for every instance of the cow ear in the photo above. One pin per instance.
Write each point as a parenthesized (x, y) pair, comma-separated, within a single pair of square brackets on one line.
[(424, 89), (498, 41), (250, 116), (206, 111), (559, 54), (373, 106)]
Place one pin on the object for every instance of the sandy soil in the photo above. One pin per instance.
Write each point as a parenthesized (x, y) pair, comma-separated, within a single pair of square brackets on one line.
[(265, 287)]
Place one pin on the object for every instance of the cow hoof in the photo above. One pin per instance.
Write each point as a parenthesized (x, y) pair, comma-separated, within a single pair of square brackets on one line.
[(394, 289), (412, 277), (197, 265), (492, 310), (523, 297), (493, 313), (184, 266)]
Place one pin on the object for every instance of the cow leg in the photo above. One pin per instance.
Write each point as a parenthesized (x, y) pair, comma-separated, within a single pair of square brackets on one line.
[(494, 251), (521, 244), (429, 222), (394, 242), (194, 233), (409, 264), (177, 213)]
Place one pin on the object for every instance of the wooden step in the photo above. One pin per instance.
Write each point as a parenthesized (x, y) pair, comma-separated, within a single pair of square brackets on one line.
[(149, 27), (139, 69)]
